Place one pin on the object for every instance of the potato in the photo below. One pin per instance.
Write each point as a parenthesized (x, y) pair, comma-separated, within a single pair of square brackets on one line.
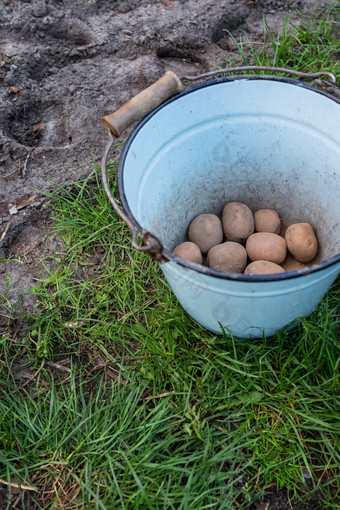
[(301, 241), (263, 267), (230, 257), (291, 264), (267, 220), (206, 231), (237, 221), (189, 251), (266, 246)]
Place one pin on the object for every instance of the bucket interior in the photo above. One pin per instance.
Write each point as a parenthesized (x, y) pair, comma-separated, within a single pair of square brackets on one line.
[(268, 143)]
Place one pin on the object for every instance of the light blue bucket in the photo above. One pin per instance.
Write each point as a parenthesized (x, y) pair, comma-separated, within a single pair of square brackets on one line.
[(269, 142)]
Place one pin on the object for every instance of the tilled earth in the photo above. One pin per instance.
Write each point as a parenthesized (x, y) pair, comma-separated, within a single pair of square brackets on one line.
[(66, 63)]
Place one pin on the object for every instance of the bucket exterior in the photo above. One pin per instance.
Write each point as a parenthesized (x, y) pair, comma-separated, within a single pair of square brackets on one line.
[(247, 309), (269, 143)]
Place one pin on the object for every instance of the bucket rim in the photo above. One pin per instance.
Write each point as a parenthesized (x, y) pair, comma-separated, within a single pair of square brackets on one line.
[(199, 268)]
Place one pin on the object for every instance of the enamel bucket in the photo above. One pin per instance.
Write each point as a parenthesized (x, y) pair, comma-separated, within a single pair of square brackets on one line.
[(269, 142)]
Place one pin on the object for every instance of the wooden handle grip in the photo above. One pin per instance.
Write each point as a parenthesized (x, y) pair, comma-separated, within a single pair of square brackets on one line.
[(135, 109)]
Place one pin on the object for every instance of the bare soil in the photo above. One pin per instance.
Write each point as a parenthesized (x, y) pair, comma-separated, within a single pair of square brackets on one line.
[(66, 63)]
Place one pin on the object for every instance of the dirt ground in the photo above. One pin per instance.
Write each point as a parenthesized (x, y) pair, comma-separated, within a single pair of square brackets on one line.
[(66, 63)]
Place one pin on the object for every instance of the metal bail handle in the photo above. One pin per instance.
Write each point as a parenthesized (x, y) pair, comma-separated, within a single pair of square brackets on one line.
[(151, 245), (241, 69)]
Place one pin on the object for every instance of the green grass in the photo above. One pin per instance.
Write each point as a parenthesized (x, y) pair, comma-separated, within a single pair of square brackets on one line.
[(152, 411), (312, 45), (128, 403)]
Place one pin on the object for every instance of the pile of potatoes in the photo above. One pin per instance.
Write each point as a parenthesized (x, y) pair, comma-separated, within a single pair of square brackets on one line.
[(243, 242)]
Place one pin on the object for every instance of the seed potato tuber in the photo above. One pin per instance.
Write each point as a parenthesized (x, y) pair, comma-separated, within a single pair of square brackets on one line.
[(189, 251), (301, 241), (266, 246), (291, 264), (206, 231), (237, 221), (230, 257), (267, 220), (263, 267)]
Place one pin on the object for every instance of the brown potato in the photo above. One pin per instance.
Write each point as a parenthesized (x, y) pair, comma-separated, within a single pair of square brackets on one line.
[(206, 231), (301, 241), (229, 257), (263, 267), (266, 246), (291, 264), (237, 221), (267, 220), (189, 251)]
